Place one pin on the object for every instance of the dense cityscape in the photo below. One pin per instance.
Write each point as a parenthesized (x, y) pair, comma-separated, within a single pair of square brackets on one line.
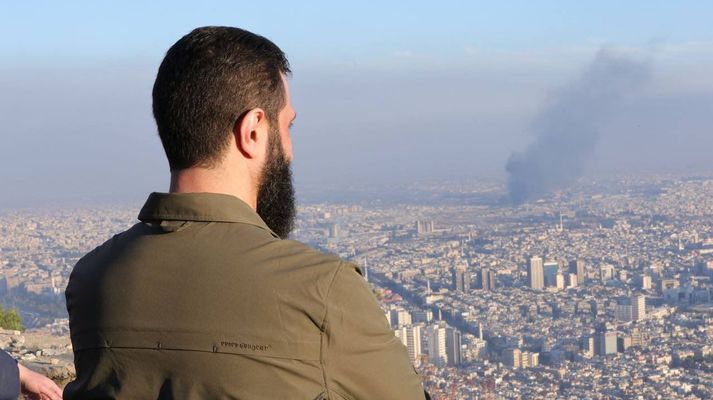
[(599, 291)]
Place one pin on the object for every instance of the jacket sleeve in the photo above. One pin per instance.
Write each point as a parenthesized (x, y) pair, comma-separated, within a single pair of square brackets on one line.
[(9, 377), (362, 357)]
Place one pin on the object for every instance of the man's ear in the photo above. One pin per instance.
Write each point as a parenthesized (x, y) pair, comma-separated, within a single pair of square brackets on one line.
[(250, 131)]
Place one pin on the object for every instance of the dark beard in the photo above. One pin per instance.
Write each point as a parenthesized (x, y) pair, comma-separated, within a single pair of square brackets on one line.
[(276, 193)]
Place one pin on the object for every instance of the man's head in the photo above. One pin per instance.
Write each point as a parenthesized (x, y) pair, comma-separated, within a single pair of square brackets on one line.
[(220, 101)]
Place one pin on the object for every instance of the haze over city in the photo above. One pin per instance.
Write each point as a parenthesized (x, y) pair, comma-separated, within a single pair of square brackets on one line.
[(385, 94)]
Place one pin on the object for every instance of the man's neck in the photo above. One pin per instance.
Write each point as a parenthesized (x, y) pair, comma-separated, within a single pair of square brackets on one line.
[(205, 180)]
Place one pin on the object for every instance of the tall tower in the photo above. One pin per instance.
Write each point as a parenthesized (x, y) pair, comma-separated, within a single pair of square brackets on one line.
[(624, 311), (638, 303), (550, 270), (411, 338), (512, 357), (645, 282), (466, 280), (487, 279), (437, 345), (586, 344), (334, 230), (571, 279), (605, 342), (559, 281), (536, 273), (453, 347), (577, 267), (424, 227), (457, 279), (460, 279)]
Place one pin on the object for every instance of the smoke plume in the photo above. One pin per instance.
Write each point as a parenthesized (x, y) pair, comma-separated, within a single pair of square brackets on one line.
[(567, 130)]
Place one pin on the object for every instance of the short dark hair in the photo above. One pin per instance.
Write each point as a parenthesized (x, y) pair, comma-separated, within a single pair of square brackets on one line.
[(208, 80)]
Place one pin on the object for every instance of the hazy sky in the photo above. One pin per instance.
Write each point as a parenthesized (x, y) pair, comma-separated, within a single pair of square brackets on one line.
[(394, 92)]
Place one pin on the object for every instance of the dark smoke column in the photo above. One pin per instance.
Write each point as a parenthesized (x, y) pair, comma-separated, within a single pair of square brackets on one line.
[(567, 130)]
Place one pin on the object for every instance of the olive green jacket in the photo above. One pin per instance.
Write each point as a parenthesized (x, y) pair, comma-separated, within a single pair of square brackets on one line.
[(202, 301)]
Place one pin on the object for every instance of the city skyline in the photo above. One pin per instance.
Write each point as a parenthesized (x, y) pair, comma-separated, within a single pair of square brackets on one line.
[(637, 323)]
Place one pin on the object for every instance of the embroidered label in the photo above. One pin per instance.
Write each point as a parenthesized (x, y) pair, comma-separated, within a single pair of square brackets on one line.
[(247, 346)]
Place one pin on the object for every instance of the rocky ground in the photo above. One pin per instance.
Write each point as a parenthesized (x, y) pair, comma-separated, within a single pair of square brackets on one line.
[(41, 351)]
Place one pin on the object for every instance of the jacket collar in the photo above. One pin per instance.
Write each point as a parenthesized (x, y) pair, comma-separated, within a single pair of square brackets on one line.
[(203, 207)]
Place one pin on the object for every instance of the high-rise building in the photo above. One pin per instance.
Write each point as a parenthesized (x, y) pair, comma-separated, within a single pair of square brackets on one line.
[(436, 336), (559, 281), (623, 343), (512, 357), (577, 267), (624, 311), (525, 359), (638, 303), (550, 271), (454, 351), (534, 359), (460, 278), (399, 317), (529, 359), (535, 273), (411, 338), (645, 282), (424, 227), (605, 343), (606, 272), (418, 316), (487, 279), (334, 230), (444, 345), (572, 280), (586, 344)]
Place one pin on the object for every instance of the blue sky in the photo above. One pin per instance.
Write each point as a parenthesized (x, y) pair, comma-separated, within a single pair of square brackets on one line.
[(320, 31), (386, 91)]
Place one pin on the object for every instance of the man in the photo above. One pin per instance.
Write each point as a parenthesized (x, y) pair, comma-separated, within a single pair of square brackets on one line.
[(203, 299)]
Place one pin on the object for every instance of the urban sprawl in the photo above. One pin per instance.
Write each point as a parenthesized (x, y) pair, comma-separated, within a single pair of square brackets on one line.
[(599, 291)]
